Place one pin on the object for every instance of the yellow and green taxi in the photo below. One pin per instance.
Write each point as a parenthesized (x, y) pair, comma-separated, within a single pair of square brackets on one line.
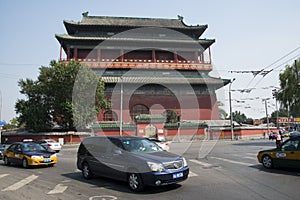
[(286, 155), (28, 154)]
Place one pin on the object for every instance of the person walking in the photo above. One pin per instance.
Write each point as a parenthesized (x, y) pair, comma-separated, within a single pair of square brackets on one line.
[(278, 140)]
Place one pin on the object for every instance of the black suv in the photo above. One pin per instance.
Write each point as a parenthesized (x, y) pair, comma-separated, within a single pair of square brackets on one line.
[(136, 160)]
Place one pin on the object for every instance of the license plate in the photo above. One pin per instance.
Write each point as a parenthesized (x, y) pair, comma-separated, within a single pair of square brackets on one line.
[(178, 175), (47, 160)]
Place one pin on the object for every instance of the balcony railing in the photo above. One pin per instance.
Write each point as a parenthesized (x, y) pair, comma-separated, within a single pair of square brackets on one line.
[(143, 63), (136, 60)]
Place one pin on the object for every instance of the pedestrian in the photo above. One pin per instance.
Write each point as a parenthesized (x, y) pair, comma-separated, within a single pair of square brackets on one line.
[(278, 140)]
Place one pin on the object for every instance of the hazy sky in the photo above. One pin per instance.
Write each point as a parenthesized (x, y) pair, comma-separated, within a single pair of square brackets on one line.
[(250, 35)]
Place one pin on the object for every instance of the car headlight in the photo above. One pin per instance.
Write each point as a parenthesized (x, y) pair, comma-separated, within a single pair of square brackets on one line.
[(156, 167), (53, 156), (184, 162), (37, 157)]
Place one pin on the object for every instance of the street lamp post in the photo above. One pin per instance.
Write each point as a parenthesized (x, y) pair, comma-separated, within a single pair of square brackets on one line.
[(267, 114), (230, 110)]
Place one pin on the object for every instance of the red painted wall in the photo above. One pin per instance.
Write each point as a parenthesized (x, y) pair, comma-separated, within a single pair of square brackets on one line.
[(190, 107)]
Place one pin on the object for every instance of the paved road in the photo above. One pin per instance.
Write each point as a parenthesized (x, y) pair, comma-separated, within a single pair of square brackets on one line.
[(227, 170)]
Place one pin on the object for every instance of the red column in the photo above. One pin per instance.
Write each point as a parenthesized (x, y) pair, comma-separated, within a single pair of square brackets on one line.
[(196, 57), (98, 55), (75, 53), (122, 55), (209, 55), (68, 53), (60, 53), (176, 57), (153, 56)]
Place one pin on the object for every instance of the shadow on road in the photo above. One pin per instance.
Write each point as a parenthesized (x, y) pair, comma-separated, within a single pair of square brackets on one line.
[(256, 143), (119, 186), (283, 171)]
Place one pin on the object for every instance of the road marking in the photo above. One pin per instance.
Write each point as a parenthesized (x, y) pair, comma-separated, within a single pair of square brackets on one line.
[(191, 174), (202, 163), (3, 175), (59, 188), (251, 158), (232, 161), (252, 154), (104, 197), (21, 183)]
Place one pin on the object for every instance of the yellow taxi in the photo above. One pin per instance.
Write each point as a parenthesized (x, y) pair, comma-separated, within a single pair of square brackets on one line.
[(28, 154), (286, 134), (286, 155)]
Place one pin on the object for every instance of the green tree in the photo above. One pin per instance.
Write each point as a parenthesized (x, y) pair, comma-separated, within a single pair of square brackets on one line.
[(288, 96), (12, 124), (239, 117), (281, 113), (171, 116), (49, 99), (33, 112)]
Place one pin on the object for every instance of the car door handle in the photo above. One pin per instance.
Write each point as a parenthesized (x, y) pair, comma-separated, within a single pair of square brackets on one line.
[(292, 152)]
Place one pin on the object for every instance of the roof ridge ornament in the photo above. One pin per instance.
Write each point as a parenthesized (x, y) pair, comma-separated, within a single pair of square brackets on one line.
[(180, 18), (85, 14)]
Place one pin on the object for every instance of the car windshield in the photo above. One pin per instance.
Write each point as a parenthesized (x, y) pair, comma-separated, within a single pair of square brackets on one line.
[(27, 147), (141, 145)]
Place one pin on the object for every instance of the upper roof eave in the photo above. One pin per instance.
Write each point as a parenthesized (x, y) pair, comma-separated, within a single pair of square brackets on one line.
[(71, 37), (176, 24)]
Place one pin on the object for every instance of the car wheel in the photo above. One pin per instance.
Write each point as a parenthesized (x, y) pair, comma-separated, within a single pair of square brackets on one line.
[(86, 171), (25, 163), (135, 182), (6, 162), (267, 162)]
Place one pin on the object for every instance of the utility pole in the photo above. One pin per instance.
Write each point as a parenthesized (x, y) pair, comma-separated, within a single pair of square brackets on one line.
[(121, 108), (275, 93), (267, 114), (298, 84), (230, 110)]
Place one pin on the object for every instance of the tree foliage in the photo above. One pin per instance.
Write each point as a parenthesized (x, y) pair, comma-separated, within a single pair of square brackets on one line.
[(49, 98), (240, 117), (12, 124), (288, 96), (171, 116), (281, 113)]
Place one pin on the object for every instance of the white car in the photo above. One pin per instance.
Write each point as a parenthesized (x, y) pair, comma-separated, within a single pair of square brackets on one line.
[(50, 144), (162, 144)]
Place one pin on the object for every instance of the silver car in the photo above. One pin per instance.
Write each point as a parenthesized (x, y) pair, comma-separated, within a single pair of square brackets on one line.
[(50, 144)]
